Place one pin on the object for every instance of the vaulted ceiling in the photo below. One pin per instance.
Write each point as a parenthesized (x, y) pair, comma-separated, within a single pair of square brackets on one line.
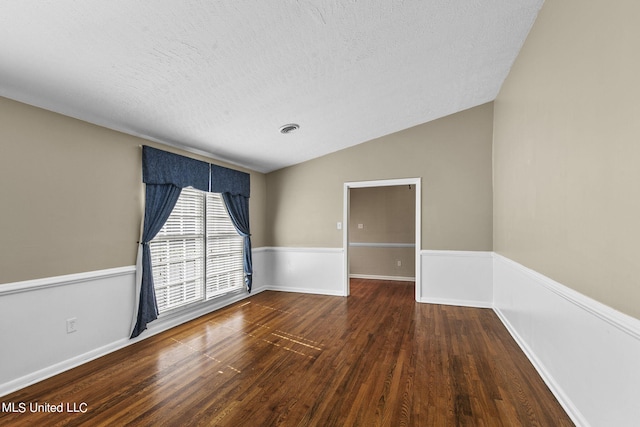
[(221, 77)]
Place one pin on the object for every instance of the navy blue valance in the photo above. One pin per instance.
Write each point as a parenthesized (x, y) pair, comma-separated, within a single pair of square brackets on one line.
[(225, 180), (161, 167)]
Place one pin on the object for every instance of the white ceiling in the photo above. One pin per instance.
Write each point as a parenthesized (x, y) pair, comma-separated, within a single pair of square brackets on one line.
[(221, 77)]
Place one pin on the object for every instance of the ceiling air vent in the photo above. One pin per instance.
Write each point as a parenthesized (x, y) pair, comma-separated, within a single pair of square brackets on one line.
[(291, 127)]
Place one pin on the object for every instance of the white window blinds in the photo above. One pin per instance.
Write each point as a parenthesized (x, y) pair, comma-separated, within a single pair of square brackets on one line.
[(198, 253), (225, 270)]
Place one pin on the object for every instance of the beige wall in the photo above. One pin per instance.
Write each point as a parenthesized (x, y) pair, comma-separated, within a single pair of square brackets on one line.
[(387, 215), (72, 196), (567, 151), (452, 155)]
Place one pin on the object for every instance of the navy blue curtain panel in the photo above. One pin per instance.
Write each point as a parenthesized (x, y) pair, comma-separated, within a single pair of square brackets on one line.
[(238, 208), (159, 202)]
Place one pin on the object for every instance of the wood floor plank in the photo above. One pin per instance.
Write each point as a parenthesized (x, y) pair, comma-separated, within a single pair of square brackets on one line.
[(376, 358)]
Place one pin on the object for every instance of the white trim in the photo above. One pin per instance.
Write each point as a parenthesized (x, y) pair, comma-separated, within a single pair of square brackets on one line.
[(448, 253), (585, 352), (380, 245), (65, 280), (418, 225), (548, 379), (457, 302), (615, 318), (390, 278), (304, 291), (346, 200), (60, 367), (299, 249), (382, 183)]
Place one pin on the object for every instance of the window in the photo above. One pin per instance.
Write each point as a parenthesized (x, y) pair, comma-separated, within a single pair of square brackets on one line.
[(198, 255)]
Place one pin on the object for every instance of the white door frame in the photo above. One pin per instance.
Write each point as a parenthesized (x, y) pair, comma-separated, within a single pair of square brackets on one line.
[(345, 228)]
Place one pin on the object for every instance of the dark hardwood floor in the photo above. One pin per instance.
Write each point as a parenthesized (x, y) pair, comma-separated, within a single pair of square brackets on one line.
[(376, 358)]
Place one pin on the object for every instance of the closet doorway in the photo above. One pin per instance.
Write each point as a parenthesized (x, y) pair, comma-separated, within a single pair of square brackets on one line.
[(357, 239)]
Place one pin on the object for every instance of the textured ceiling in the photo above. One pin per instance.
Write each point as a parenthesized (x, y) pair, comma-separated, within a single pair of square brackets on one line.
[(221, 77)]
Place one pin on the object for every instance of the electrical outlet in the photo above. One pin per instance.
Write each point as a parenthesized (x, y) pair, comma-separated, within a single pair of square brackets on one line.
[(71, 325), (360, 226), (399, 263)]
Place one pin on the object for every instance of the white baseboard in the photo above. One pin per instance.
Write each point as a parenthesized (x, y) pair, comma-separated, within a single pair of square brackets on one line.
[(586, 352), (305, 290), (388, 278), (60, 367), (463, 278)]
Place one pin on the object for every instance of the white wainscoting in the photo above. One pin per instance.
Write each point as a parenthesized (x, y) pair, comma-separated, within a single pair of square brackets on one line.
[(463, 278), (33, 314), (588, 353), (304, 270)]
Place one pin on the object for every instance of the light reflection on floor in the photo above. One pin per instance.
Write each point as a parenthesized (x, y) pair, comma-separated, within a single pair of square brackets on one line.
[(218, 330), (291, 339), (208, 356)]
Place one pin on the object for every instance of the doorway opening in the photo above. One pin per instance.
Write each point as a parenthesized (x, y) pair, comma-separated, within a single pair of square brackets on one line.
[(413, 182)]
